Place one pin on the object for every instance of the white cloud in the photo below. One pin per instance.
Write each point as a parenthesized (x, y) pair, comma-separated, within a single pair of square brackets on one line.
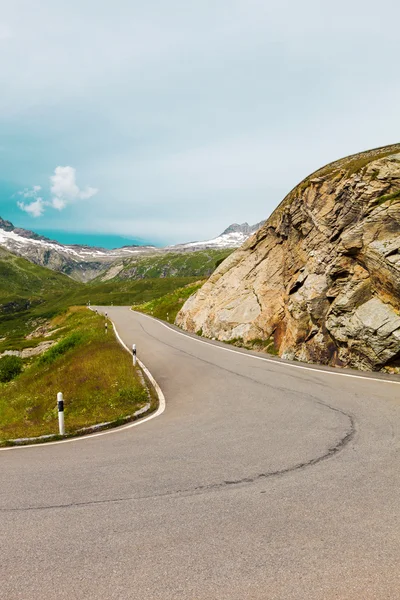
[(30, 193), (64, 188), (58, 203), (35, 208)]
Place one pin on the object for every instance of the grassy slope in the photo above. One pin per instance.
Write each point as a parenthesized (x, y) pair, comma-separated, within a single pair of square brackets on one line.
[(167, 307), (200, 263), (29, 294), (88, 366), (20, 278)]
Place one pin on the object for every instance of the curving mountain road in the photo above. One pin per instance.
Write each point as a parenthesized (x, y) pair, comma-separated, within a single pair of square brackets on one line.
[(260, 481)]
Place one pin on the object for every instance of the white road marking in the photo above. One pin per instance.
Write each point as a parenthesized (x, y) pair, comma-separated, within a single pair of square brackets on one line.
[(280, 363)]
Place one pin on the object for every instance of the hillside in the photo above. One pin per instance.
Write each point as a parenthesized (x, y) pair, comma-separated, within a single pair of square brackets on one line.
[(200, 263), (20, 278), (321, 278)]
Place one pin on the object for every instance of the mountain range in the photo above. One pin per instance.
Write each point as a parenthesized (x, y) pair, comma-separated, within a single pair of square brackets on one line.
[(85, 263)]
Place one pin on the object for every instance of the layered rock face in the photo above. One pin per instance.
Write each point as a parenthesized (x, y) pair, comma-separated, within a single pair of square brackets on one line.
[(321, 278)]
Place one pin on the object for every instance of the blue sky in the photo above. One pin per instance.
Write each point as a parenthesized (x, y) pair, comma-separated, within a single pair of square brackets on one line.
[(177, 118)]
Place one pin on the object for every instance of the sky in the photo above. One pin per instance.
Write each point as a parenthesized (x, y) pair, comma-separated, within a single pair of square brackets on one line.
[(167, 121)]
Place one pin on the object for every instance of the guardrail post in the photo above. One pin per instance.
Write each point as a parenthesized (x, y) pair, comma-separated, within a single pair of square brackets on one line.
[(60, 406), (134, 354)]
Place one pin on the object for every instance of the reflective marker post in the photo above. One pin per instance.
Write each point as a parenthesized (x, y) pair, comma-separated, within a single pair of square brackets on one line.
[(60, 406), (134, 354)]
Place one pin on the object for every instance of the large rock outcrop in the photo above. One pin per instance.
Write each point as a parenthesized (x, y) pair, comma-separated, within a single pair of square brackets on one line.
[(321, 278)]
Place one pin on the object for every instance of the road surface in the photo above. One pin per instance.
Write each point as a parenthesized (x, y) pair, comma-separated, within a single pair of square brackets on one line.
[(260, 481)]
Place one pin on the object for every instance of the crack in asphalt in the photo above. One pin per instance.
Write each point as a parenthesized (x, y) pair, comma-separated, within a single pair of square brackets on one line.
[(187, 492)]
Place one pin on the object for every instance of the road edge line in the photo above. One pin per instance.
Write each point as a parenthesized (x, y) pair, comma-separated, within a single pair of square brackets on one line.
[(281, 362)]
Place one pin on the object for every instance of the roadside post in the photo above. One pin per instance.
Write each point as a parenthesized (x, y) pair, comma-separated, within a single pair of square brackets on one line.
[(60, 406), (134, 354), (106, 326)]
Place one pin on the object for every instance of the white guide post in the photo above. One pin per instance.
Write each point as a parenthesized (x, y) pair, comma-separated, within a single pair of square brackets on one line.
[(134, 354), (60, 406)]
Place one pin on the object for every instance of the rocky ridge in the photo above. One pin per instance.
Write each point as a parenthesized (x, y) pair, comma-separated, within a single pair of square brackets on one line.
[(321, 278)]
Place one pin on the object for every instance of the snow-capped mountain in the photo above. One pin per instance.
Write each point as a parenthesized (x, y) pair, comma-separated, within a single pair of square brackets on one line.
[(79, 262), (84, 263), (234, 236)]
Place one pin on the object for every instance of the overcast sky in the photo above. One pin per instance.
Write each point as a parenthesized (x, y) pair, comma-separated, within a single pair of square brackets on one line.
[(170, 120)]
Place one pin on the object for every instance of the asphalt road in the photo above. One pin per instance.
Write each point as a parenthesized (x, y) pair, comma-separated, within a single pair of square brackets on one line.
[(259, 481)]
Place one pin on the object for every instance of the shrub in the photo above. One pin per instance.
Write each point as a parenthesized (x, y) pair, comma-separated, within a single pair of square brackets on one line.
[(10, 367), (61, 348)]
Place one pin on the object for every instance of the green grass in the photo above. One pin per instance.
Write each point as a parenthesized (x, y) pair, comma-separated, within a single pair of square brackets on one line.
[(129, 291), (63, 346), (88, 365), (388, 197), (199, 264), (15, 326), (21, 279), (167, 307), (10, 367)]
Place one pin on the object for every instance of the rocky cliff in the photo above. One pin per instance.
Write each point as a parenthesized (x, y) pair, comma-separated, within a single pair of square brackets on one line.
[(321, 279)]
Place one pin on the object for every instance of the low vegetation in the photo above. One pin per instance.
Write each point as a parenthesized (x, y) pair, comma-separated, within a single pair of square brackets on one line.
[(199, 264), (23, 282), (389, 197), (88, 365), (167, 307), (15, 326), (10, 367)]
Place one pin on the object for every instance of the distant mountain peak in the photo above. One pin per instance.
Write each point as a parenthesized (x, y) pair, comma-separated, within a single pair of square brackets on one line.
[(6, 225), (243, 228)]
